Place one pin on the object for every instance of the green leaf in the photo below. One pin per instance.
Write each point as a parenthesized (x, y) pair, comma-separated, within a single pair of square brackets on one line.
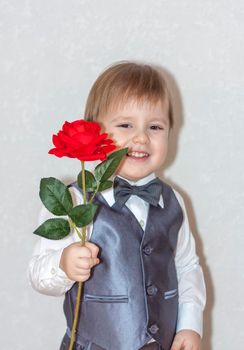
[(104, 170), (53, 229), (83, 214), (105, 185), (118, 154), (91, 183), (55, 196)]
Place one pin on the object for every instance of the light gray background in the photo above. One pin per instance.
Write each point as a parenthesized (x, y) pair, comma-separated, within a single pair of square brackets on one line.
[(51, 52)]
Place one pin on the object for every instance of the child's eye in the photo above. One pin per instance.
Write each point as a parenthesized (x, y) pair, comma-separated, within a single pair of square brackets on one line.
[(124, 125), (156, 127)]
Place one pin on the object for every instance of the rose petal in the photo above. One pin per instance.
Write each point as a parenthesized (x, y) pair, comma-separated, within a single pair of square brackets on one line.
[(84, 138), (56, 141), (108, 149), (67, 141), (57, 152), (68, 129), (92, 157)]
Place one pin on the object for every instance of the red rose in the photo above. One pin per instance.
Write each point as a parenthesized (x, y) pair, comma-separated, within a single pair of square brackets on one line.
[(82, 140)]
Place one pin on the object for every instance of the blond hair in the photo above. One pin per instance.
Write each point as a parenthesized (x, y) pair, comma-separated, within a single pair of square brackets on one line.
[(124, 81)]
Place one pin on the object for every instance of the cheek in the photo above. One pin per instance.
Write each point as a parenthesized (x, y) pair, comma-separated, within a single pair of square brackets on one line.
[(110, 131), (119, 137), (161, 147)]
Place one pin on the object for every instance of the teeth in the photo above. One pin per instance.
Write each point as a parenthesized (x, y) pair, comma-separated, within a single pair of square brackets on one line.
[(138, 154)]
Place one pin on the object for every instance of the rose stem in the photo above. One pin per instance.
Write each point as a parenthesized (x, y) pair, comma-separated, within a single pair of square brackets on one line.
[(83, 240)]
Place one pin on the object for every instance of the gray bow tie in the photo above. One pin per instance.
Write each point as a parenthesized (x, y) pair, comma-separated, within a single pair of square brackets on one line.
[(123, 190)]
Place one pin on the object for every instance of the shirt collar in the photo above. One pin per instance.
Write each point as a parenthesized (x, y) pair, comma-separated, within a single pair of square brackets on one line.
[(109, 193)]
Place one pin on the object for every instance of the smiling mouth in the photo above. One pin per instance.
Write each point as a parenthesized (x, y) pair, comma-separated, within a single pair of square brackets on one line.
[(137, 154)]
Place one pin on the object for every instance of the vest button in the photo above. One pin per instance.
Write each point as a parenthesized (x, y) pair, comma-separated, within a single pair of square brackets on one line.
[(153, 329), (152, 290), (147, 250)]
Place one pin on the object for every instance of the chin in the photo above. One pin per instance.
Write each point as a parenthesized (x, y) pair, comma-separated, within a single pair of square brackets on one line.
[(133, 173)]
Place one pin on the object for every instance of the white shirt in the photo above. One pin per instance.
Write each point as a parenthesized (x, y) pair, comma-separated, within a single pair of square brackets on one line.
[(46, 277)]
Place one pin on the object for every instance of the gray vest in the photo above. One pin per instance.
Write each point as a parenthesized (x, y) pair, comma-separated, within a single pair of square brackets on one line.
[(132, 294)]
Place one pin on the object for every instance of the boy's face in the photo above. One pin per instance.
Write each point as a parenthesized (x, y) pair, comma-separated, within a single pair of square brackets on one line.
[(143, 128)]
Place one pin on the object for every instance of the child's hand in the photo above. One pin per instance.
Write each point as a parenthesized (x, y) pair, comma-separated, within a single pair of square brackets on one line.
[(76, 260), (186, 340)]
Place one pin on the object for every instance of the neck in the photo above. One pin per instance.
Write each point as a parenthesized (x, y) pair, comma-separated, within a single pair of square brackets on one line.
[(141, 181)]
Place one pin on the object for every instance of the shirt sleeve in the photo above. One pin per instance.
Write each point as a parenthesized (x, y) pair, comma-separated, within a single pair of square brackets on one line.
[(191, 285), (44, 273)]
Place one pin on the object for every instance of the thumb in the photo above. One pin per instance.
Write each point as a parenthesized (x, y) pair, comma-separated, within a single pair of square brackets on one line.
[(94, 249), (177, 344)]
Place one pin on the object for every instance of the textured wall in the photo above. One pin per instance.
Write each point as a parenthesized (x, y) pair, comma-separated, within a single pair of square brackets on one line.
[(51, 52)]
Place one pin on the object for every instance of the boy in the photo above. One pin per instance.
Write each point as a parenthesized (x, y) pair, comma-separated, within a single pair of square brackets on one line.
[(146, 289)]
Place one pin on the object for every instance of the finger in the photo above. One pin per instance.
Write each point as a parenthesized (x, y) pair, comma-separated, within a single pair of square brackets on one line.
[(93, 248), (81, 272), (78, 276), (86, 263), (190, 346), (84, 252), (81, 278), (176, 345)]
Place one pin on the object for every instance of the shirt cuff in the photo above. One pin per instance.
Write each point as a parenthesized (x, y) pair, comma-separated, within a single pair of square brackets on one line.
[(54, 271), (190, 316)]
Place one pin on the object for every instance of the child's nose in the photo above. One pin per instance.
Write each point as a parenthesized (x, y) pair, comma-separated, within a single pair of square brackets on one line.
[(140, 137)]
